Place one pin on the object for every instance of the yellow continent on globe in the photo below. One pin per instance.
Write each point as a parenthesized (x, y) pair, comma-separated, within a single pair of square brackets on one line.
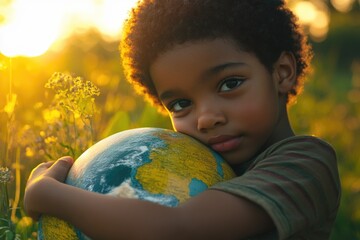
[(176, 164), (51, 226)]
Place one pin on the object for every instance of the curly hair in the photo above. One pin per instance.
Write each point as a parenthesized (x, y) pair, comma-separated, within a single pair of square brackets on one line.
[(264, 27)]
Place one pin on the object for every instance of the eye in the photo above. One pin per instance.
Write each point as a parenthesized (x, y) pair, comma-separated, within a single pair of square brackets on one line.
[(230, 83), (179, 105)]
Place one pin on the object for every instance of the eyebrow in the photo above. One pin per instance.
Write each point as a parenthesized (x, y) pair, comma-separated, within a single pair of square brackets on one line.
[(222, 67), (212, 71), (166, 95)]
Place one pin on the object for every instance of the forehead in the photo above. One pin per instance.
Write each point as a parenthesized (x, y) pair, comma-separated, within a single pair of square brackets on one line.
[(194, 56)]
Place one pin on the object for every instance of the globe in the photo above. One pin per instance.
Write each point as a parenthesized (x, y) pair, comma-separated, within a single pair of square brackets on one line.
[(151, 164)]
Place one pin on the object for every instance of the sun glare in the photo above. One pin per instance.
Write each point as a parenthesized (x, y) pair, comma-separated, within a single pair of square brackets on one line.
[(29, 32), (30, 28)]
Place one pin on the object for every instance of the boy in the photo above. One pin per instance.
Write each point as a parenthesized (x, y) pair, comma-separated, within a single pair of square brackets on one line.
[(225, 71)]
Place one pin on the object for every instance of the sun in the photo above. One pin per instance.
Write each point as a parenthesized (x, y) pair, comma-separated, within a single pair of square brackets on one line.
[(30, 28)]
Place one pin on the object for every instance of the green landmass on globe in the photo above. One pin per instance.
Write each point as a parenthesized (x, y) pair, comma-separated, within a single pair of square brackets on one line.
[(151, 164)]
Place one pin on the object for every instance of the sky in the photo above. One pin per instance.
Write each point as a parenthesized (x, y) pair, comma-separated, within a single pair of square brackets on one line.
[(31, 27)]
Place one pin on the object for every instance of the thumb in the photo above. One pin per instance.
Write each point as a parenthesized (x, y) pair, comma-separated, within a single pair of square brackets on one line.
[(60, 168)]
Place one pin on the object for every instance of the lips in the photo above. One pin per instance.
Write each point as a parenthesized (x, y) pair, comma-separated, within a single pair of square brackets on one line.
[(224, 143)]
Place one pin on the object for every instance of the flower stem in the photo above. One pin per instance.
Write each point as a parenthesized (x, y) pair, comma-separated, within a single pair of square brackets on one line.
[(10, 76), (4, 201), (17, 189)]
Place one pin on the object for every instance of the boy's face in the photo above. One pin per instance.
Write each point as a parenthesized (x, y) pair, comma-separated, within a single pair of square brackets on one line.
[(220, 95)]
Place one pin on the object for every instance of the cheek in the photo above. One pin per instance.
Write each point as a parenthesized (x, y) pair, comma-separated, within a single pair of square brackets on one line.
[(180, 125), (258, 114)]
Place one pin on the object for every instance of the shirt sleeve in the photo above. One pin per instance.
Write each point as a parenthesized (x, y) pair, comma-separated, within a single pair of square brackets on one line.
[(296, 182)]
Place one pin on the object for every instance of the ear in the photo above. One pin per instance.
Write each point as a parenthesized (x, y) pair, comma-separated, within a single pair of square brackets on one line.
[(284, 73)]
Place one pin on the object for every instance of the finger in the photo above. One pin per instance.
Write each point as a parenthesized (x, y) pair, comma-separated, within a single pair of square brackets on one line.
[(40, 168), (45, 164), (60, 168)]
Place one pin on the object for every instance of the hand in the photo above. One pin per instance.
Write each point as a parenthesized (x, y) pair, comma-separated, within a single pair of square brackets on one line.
[(39, 183)]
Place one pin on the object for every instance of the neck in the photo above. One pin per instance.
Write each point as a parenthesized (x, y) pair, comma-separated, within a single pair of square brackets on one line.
[(283, 128)]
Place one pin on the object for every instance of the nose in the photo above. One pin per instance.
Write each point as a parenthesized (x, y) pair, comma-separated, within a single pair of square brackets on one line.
[(210, 118)]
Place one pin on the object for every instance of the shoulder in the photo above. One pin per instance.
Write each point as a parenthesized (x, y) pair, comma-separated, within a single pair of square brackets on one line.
[(307, 161), (301, 145), (300, 152), (296, 181)]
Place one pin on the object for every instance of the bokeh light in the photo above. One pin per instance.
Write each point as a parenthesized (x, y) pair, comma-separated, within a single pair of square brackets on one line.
[(306, 11), (314, 16), (342, 5)]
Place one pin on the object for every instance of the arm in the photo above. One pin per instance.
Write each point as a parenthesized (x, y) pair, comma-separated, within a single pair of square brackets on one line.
[(211, 215)]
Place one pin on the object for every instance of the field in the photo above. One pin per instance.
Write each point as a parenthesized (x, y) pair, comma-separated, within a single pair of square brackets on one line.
[(41, 118)]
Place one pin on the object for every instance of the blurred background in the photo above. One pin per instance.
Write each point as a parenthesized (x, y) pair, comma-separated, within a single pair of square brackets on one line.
[(41, 37)]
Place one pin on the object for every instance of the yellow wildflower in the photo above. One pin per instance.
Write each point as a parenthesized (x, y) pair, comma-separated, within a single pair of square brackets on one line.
[(24, 223), (10, 103), (51, 115), (51, 140), (29, 152)]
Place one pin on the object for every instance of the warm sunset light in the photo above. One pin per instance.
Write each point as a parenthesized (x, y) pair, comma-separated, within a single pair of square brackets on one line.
[(314, 15), (70, 72), (29, 28), (306, 10), (342, 5)]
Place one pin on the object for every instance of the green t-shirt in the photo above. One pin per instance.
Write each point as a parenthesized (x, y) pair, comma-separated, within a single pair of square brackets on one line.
[(296, 181)]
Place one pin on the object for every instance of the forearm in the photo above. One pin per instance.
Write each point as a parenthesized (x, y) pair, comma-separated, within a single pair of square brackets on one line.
[(106, 217), (202, 217), (99, 216), (120, 218)]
